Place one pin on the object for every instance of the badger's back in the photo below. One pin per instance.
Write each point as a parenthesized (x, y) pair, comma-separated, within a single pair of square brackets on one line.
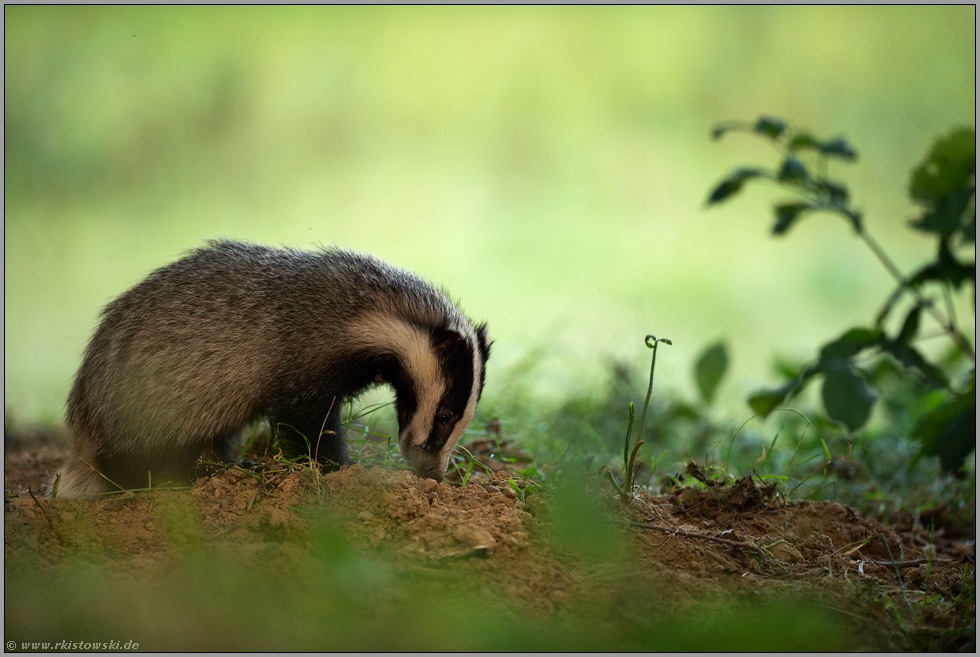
[(234, 332)]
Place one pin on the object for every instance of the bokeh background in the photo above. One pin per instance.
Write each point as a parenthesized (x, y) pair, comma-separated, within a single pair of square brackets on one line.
[(548, 165)]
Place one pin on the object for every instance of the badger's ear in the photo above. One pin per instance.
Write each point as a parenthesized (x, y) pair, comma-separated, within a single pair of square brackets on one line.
[(446, 340), (483, 341)]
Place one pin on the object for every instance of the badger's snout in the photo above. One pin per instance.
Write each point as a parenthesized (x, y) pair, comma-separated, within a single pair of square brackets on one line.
[(430, 472), (425, 464)]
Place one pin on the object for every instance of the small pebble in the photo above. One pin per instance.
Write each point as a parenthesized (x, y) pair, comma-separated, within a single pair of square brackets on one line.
[(475, 536), (365, 515), (786, 552), (433, 496), (492, 489)]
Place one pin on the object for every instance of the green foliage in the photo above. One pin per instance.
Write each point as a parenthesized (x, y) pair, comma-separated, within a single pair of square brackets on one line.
[(950, 431), (944, 184), (219, 599), (579, 519)]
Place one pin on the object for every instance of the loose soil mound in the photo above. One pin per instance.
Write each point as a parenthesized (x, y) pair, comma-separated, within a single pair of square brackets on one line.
[(892, 588)]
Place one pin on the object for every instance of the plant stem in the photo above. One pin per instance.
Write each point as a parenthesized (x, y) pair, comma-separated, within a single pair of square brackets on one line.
[(646, 403), (629, 473), (882, 256), (946, 323)]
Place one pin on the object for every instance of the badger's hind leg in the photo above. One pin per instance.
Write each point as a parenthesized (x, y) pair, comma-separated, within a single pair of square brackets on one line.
[(89, 471), (79, 475), (302, 436)]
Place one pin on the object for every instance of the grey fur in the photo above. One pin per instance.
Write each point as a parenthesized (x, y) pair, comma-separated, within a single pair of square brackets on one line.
[(236, 332)]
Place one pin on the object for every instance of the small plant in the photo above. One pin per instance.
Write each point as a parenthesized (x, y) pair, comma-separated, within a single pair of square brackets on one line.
[(630, 467), (521, 488), (471, 461), (944, 185)]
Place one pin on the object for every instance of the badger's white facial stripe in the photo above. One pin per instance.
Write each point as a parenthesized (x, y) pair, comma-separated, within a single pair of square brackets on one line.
[(414, 350), (464, 422)]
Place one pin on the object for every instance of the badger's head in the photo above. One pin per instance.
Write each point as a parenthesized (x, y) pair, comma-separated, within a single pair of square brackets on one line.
[(443, 371)]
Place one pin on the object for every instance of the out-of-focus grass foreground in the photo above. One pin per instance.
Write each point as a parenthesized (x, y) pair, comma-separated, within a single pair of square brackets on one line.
[(802, 482)]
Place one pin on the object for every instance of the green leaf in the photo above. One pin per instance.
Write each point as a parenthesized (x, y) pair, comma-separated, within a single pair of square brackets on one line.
[(733, 183), (786, 216), (786, 368), (946, 268), (836, 192), (948, 214), (846, 397), (910, 328), (803, 141), (764, 401), (530, 472), (839, 148), (792, 171), (834, 198), (770, 127), (710, 369), (849, 345), (626, 445), (950, 165), (969, 232), (909, 356), (950, 431), (719, 130)]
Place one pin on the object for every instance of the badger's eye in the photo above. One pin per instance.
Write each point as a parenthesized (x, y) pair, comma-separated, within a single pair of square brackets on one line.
[(444, 417)]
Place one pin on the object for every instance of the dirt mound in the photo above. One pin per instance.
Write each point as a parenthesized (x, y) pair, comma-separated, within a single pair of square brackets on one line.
[(725, 542)]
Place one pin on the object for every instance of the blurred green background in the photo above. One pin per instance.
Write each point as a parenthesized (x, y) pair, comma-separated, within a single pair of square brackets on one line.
[(548, 165)]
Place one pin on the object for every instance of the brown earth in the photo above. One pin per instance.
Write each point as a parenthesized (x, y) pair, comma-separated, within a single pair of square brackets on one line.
[(701, 542)]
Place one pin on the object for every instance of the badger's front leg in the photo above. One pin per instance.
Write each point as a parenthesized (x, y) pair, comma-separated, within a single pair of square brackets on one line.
[(324, 441)]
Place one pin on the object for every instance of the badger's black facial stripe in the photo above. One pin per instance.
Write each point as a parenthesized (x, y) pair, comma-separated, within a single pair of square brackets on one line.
[(455, 356), (484, 344)]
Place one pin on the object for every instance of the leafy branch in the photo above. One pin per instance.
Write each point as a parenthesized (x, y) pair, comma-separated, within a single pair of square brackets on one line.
[(944, 186)]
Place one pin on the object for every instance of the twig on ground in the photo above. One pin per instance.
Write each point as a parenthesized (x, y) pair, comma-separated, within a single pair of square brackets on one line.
[(44, 511), (907, 564), (681, 532)]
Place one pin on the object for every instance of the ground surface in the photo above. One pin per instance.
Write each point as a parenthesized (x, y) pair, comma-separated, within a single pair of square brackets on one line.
[(882, 587)]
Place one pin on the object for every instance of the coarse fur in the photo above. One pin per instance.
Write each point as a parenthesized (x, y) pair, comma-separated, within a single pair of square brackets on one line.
[(235, 332)]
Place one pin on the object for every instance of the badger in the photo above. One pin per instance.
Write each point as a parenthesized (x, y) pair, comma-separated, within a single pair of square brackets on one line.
[(234, 332)]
